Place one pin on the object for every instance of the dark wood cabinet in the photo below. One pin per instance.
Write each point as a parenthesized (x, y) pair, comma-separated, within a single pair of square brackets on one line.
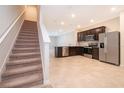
[(95, 53), (72, 51), (95, 31), (75, 51)]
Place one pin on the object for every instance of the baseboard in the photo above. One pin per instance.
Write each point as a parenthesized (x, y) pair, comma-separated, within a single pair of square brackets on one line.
[(3, 67)]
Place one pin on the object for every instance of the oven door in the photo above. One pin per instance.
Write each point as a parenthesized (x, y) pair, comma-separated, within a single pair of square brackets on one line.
[(88, 52)]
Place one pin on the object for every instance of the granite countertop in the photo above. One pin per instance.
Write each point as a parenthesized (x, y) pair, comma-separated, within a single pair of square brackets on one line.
[(79, 46)]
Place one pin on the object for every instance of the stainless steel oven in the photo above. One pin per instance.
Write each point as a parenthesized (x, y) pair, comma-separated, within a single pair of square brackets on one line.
[(88, 52)]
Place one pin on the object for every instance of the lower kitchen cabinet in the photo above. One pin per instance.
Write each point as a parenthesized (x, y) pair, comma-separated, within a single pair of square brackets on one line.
[(75, 51), (68, 51), (95, 53)]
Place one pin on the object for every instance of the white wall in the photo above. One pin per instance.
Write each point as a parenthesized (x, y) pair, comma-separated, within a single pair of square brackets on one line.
[(67, 39), (52, 45), (8, 15), (31, 13), (63, 39), (122, 37), (111, 25)]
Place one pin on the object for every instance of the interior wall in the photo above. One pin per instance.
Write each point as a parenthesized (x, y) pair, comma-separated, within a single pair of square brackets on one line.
[(8, 15), (122, 37), (67, 39), (111, 25), (31, 13), (52, 45)]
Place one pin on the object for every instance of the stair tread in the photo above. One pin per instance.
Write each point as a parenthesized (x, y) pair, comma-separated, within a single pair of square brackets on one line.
[(24, 54), (37, 84), (32, 37), (27, 45), (21, 69), (33, 43), (26, 48), (19, 81), (28, 40), (23, 61)]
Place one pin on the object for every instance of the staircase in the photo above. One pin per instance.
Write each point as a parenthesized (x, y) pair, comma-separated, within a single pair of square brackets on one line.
[(24, 68)]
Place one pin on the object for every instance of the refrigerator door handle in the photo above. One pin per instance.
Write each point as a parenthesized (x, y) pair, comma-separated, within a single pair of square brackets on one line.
[(105, 45)]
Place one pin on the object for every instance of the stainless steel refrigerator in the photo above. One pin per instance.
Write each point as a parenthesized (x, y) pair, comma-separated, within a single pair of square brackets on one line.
[(109, 47)]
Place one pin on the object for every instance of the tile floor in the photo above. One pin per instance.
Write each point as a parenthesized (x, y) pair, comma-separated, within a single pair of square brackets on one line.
[(82, 72)]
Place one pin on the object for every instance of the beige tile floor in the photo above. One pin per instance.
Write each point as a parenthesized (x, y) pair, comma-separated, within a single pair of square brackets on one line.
[(82, 72)]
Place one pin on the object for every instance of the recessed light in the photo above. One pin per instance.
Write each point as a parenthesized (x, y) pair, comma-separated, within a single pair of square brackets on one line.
[(73, 15), (113, 9), (91, 20), (78, 26), (62, 23)]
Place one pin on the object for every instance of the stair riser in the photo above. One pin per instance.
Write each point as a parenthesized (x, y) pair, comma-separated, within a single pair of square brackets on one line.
[(26, 46), (19, 75), (24, 57), (28, 35), (21, 64), (27, 41), (24, 63), (31, 85), (25, 51), (25, 82), (6, 75), (28, 84), (28, 27), (29, 32), (30, 38)]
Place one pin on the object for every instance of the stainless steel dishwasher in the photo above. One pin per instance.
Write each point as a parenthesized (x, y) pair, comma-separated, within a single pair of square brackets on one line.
[(65, 51)]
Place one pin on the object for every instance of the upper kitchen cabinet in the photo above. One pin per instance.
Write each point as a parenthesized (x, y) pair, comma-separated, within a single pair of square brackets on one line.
[(91, 34)]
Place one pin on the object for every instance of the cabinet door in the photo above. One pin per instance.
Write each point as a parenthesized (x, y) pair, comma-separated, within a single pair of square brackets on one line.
[(78, 50)]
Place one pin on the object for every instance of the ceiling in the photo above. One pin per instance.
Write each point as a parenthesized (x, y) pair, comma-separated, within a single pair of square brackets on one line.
[(53, 15)]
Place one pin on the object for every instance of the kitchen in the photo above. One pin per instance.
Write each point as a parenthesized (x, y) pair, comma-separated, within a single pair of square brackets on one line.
[(86, 45), (97, 46)]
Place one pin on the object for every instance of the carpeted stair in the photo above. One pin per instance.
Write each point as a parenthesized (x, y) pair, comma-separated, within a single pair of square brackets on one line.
[(24, 68)]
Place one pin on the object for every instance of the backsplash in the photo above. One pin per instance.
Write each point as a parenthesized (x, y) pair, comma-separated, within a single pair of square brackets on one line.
[(86, 43)]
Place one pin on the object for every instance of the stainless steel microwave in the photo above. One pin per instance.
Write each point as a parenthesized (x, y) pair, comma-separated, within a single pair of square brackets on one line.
[(90, 37)]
